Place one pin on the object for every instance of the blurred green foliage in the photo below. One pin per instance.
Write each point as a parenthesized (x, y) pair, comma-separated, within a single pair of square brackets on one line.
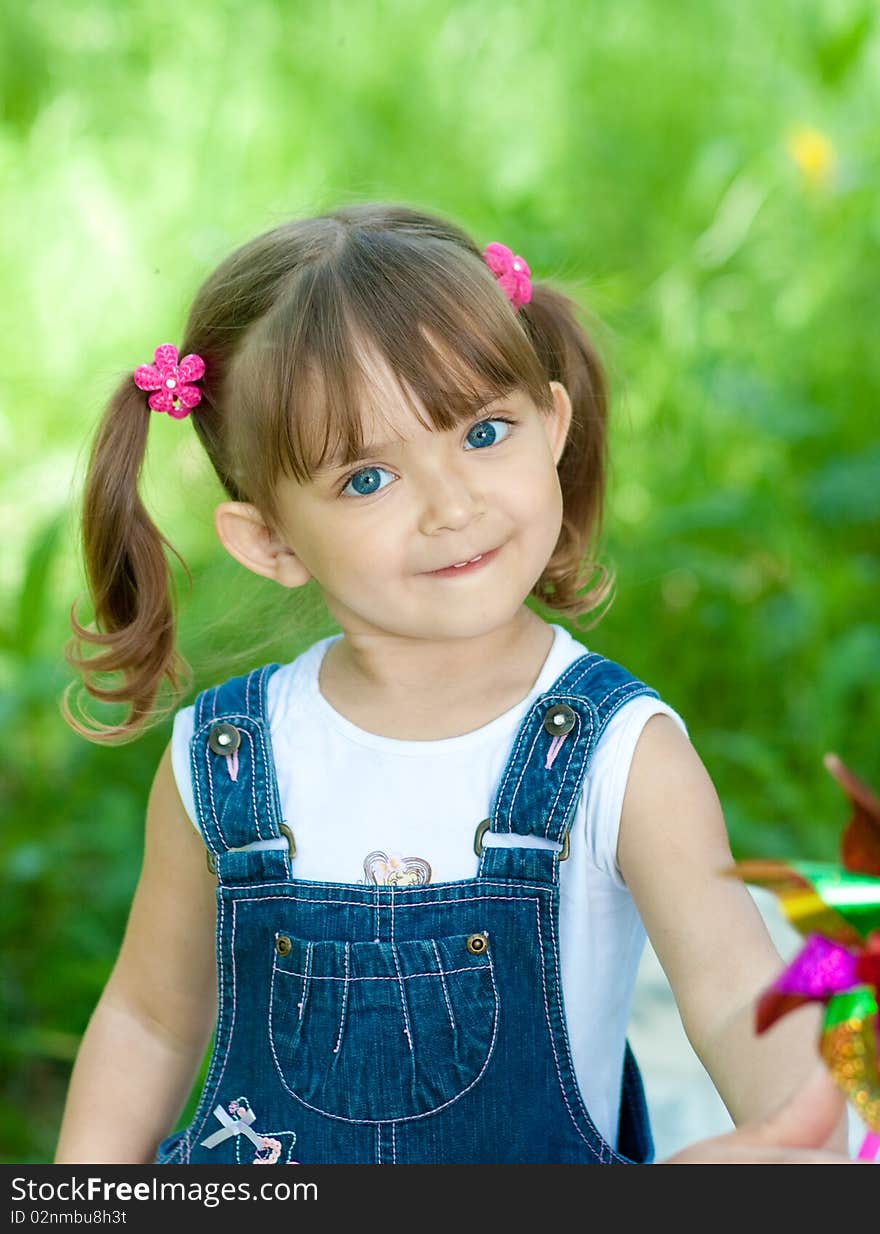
[(701, 177)]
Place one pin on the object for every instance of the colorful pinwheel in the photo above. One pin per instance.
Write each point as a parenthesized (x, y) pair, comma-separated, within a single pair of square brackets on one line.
[(837, 908)]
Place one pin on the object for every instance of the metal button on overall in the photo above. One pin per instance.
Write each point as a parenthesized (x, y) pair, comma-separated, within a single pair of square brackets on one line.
[(224, 739), (559, 720), (283, 944), (477, 943)]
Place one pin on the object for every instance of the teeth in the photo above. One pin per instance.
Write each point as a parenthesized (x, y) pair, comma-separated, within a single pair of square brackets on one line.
[(458, 564)]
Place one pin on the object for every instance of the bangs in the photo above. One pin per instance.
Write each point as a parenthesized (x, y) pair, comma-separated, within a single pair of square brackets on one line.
[(424, 312)]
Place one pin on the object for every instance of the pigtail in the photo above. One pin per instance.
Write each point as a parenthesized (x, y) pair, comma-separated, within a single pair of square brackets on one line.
[(568, 356), (129, 580)]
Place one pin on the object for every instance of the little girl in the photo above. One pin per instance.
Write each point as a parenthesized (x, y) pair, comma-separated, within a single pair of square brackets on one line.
[(404, 876)]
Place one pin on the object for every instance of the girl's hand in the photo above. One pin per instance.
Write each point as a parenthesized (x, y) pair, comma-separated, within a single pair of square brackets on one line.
[(793, 1135)]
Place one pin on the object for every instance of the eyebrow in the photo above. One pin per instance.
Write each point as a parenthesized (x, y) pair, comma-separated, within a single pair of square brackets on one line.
[(370, 449)]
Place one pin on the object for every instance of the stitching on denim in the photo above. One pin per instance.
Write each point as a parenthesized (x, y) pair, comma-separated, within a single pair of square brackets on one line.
[(264, 722), (406, 1024), (253, 787), (409, 894), (578, 669), (196, 779), (307, 979), (268, 769), (266, 1135), (378, 1143), (209, 1105), (606, 1152), (633, 687), (393, 1144), (422, 904), (595, 661), (231, 715), (441, 975), (271, 772), (513, 759), (177, 1151), (550, 1028), (370, 1122), (573, 750), (268, 772), (522, 771), (579, 780), (446, 972), (576, 787), (344, 1001), (220, 831), (256, 813)]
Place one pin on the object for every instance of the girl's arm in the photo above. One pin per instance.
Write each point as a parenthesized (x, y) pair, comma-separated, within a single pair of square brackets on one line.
[(707, 933), (148, 1034)]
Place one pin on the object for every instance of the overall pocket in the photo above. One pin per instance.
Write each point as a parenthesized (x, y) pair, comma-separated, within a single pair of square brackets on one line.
[(378, 1030)]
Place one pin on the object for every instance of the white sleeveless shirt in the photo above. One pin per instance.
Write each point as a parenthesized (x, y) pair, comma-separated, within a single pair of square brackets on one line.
[(364, 808)]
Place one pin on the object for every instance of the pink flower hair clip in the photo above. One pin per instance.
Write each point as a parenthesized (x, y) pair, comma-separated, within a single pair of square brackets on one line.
[(511, 272), (171, 381)]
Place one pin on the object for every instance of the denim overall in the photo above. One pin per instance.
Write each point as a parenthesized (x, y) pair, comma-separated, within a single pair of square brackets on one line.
[(393, 1025)]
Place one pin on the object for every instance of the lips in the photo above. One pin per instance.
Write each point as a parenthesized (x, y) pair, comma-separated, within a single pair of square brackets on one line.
[(459, 564), (465, 566)]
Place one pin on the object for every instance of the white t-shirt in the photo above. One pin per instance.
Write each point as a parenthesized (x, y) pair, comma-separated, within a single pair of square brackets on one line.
[(349, 795)]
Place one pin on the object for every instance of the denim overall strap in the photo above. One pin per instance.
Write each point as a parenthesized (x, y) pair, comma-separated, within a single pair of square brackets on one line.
[(234, 784), (542, 780)]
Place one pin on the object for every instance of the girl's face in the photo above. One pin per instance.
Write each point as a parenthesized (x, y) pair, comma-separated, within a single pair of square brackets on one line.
[(374, 533)]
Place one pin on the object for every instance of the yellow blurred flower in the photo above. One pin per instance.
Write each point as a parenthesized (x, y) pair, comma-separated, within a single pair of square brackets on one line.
[(813, 153)]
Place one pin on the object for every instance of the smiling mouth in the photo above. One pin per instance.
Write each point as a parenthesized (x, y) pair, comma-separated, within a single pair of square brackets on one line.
[(463, 565)]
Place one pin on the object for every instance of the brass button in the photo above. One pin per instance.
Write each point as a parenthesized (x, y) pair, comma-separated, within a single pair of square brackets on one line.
[(224, 739), (477, 943), (559, 720), (283, 944)]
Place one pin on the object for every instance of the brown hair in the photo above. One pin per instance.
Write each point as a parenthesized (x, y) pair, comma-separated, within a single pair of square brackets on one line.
[(280, 324)]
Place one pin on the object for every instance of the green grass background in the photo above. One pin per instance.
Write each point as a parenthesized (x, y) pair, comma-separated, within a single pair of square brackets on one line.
[(702, 177)]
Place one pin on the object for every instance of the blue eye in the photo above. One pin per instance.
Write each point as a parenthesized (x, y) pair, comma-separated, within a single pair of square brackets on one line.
[(366, 481), (486, 435)]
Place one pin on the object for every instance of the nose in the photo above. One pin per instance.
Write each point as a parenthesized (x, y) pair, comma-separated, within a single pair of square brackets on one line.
[(450, 501)]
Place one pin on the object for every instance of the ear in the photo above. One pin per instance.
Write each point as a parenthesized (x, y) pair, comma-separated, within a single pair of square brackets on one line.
[(558, 421), (244, 534)]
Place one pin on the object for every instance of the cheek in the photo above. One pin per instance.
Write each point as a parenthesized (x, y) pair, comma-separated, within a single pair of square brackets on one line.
[(358, 550), (537, 494)]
